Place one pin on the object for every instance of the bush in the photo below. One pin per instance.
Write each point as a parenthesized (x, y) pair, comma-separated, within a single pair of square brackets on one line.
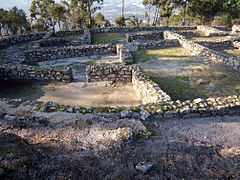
[(222, 21), (236, 21)]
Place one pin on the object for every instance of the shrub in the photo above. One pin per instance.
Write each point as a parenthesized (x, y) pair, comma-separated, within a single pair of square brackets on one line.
[(222, 21), (236, 21)]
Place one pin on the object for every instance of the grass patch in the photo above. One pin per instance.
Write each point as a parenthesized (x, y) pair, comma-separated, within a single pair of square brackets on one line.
[(108, 37), (70, 38), (235, 52), (169, 54), (179, 87), (2, 54), (140, 56), (214, 38), (20, 89)]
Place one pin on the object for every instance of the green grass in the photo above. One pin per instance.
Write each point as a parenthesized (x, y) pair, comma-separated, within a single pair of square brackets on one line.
[(179, 87), (214, 38), (20, 89), (70, 38), (108, 37), (175, 53), (235, 52)]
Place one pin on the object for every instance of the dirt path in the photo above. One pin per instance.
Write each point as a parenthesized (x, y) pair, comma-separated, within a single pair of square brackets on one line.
[(102, 146)]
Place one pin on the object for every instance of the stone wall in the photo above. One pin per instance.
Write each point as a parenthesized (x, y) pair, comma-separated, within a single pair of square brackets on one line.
[(236, 44), (124, 54), (24, 72), (236, 29), (132, 29), (69, 32), (166, 43), (48, 42), (222, 28), (154, 36), (113, 73), (216, 44), (146, 89), (196, 108), (188, 34), (46, 54), (210, 31), (204, 52), (157, 35), (11, 40), (15, 39), (1, 73)]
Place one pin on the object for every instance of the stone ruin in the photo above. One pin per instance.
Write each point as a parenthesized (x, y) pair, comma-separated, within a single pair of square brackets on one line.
[(154, 100)]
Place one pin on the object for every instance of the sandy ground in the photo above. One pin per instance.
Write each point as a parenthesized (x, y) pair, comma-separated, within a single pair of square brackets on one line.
[(100, 146), (90, 94)]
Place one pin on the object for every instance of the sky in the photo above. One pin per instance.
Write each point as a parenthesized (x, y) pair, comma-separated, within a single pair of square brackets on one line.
[(111, 8)]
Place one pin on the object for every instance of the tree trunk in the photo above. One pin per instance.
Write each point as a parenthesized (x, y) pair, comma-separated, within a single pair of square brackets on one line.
[(184, 14), (59, 24), (89, 16), (122, 13)]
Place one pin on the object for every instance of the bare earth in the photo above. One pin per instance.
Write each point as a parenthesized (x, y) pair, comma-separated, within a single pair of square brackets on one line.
[(90, 94), (106, 146)]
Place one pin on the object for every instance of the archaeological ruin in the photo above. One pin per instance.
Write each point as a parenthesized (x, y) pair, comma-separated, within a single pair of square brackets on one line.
[(79, 68)]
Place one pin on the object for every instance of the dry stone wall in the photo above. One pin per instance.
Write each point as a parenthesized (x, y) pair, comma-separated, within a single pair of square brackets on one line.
[(124, 54), (217, 106), (132, 29), (166, 43), (154, 36), (216, 44), (15, 39), (46, 54), (113, 73), (11, 40), (236, 29), (146, 89), (211, 55), (222, 28), (211, 31), (24, 72), (1, 73)]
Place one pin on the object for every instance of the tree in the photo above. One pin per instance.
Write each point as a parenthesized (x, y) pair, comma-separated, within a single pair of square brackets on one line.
[(3, 20), (41, 9), (81, 12), (183, 5), (99, 19), (166, 9), (118, 21), (163, 8), (133, 21), (122, 13), (232, 8), (206, 9), (16, 20), (58, 13)]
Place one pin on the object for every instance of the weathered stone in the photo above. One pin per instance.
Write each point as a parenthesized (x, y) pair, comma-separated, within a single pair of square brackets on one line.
[(144, 167)]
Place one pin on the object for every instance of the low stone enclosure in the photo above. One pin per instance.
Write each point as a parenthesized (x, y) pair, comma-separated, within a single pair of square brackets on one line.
[(154, 100)]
